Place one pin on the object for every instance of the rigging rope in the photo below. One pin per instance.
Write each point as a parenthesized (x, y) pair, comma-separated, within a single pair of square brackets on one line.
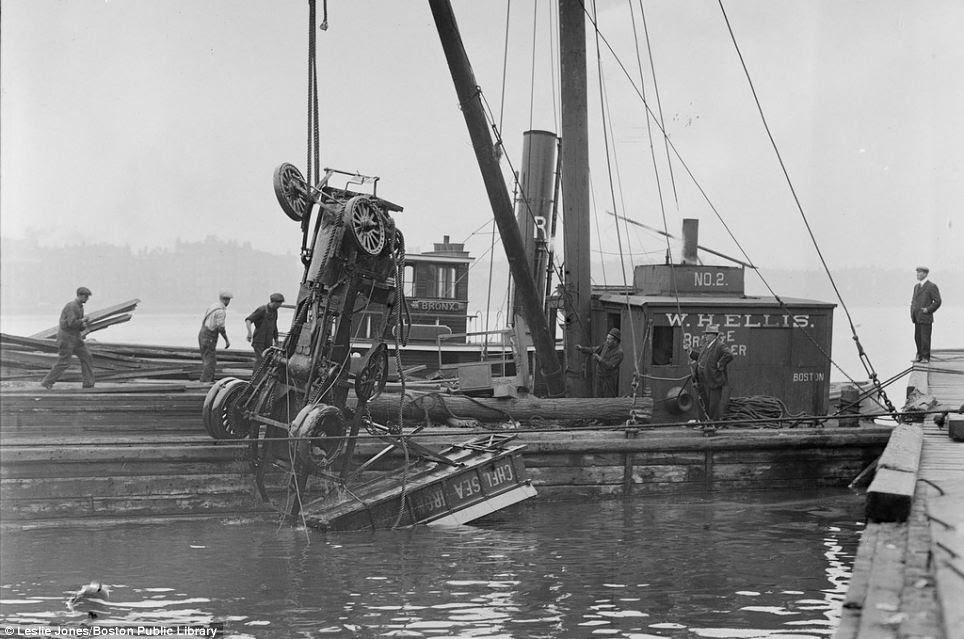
[(710, 204), (603, 106), (505, 62), (659, 105), (532, 74), (864, 359), (652, 150)]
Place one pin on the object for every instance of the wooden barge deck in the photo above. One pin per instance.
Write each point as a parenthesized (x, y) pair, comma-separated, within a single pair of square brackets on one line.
[(71, 456)]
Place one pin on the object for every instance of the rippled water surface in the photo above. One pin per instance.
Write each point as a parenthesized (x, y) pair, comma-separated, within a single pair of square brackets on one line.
[(767, 565)]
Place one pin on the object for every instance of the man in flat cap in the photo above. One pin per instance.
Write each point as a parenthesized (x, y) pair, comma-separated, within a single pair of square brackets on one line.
[(923, 303), (70, 341), (264, 320), (712, 382), (607, 358), (213, 325)]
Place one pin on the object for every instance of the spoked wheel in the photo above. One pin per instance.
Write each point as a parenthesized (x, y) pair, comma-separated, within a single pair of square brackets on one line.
[(319, 431), (222, 414), (292, 191), (367, 226), (371, 379), (295, 466)]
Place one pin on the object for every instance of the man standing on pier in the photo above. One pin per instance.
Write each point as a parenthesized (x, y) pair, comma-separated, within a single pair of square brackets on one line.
[(608, 357), (70, 342), (211, 326), (925, 300), (264, 319), (712, 382)]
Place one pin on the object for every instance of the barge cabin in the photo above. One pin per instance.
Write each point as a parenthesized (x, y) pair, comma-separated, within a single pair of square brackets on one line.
[(781, 346)]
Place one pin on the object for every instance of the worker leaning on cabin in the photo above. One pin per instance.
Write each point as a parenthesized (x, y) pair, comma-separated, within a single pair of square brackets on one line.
[(923, 302), (211, 326), (70, 341), (607, 356), (264, 319)]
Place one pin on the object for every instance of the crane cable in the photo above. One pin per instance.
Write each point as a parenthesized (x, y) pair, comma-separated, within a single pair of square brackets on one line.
[(313, 172), (864, 359)]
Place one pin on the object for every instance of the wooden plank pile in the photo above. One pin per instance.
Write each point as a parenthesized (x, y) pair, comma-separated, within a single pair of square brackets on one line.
[(29, 359), (99, 320)]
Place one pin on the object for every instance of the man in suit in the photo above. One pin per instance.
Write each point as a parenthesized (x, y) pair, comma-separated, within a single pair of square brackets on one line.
[(923, 303), (712, 382)]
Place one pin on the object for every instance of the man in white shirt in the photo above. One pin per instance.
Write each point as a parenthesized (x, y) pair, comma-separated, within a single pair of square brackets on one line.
[(211, 326)]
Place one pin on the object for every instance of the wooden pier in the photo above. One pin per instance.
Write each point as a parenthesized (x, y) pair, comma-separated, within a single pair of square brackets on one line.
[(908, 577)]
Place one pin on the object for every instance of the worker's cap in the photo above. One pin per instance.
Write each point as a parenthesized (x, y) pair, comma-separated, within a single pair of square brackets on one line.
[(615, 333), (277, 297), (226, 295), (712, 328), (83, 290), (923, 269)]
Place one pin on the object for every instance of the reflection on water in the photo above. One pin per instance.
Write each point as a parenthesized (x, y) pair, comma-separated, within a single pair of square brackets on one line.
[(769, 565)]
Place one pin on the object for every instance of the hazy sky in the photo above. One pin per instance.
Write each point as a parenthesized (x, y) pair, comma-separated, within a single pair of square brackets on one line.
[(143, 121)]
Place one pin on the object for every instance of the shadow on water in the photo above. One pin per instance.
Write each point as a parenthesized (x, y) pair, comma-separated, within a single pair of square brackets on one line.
[(767, 565)]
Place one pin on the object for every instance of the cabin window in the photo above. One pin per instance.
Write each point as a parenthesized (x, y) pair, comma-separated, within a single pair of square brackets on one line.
[(409, 273), (663, 345), (445, 282)]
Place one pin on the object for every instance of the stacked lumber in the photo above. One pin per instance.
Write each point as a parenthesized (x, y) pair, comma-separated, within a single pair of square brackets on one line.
[(29, 359), (99, 320)]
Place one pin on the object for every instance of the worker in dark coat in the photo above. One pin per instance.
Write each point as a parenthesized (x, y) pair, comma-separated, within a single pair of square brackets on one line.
[(711, 378), (925, 300), (607, 358), (264, 321), (70, 342)]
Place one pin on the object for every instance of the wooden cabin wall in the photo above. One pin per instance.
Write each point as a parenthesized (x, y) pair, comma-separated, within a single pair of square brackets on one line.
[(786, 358)]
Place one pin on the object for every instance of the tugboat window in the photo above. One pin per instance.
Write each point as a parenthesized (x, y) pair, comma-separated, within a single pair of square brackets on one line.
[(409, 274), (662, 345), (445, 282)]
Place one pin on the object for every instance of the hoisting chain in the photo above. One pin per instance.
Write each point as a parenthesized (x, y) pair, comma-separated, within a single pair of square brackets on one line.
[(872, 374)]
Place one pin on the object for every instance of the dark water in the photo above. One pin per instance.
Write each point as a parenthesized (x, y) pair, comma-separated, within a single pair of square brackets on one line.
[(767, 565)]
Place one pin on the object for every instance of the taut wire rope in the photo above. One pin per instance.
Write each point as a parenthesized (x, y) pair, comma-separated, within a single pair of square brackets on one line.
[(606, 122), (707, 199), (864, 358)]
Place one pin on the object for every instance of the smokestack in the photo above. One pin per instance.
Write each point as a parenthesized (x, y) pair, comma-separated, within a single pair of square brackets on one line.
[(534, 207), (691, 237)]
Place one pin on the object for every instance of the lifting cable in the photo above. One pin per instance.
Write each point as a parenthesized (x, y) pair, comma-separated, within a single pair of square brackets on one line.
[(313, 171), (864, 359)]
